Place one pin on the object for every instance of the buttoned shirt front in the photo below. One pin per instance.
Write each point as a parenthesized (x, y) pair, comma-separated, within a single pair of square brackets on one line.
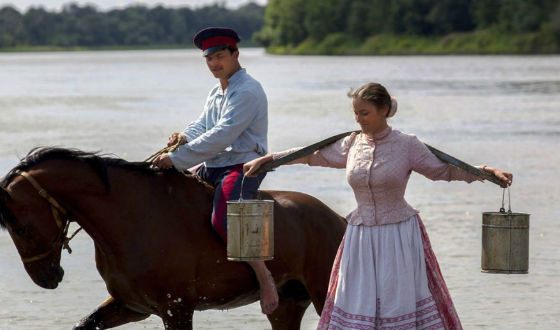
[(231, 130), (378, 168)]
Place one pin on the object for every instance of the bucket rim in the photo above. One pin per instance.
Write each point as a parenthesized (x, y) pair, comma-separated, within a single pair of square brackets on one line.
[(250, 201), (504, 271), (504, 213)]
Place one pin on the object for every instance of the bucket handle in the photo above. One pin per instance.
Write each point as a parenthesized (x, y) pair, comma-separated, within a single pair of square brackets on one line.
[(502, 209), (241, 192)]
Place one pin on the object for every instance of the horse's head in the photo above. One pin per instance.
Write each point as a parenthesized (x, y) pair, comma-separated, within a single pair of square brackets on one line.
[(35, 229), (37, 223)]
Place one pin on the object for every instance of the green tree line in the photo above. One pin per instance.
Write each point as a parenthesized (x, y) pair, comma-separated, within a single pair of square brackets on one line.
[(337, 26), (86, 26)]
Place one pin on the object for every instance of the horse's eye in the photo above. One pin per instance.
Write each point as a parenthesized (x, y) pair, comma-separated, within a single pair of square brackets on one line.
[(21, 231)]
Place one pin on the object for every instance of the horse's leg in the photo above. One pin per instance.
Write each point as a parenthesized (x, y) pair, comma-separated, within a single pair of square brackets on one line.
[(111, 313), (318, 296), (317, 284), (294, 300), (288, 315), (178, 319)]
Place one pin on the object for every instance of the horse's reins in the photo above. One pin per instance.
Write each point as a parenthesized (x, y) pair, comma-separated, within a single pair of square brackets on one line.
[(62, 238), (165, 150)]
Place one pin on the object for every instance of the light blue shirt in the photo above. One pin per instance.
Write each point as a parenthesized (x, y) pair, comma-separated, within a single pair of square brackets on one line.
[(231, 130)]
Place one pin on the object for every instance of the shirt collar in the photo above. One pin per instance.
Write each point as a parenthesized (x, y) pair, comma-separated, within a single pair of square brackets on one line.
[(379, 135), (236, 76)]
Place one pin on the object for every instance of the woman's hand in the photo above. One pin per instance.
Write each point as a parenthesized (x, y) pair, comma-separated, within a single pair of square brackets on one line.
[(251, 167), (175, 138), (506, 178)]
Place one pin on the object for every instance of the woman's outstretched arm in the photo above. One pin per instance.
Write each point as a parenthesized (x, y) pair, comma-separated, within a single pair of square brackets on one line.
[(333, 155)]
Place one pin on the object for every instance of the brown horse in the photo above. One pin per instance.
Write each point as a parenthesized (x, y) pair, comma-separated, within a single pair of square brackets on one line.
[(154, 245)]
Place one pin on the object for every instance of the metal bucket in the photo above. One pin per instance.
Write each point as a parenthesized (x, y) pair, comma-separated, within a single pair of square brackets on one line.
[(250, 230), (505, 242)]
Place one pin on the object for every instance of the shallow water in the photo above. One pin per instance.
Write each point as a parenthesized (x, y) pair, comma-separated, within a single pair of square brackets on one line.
[(503, 111)]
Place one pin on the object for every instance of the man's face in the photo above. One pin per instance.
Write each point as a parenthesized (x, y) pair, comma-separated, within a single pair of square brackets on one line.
[(223, 63)]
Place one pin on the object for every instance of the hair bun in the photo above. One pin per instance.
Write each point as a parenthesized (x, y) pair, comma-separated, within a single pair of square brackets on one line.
[(394, 106)]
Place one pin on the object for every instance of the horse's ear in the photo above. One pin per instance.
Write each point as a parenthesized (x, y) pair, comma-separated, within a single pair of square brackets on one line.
[(4, 195)]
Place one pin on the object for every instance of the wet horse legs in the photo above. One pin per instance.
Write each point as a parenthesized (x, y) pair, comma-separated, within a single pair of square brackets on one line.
[(178, 320), (111, 313), (289, 313)]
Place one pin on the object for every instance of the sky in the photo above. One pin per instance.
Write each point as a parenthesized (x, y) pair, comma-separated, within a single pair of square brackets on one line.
[(23, 5)]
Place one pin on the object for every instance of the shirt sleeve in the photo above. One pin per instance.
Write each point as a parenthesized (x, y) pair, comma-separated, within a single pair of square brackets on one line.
[(197, 127), (334, 155), (242, 108), (426, 163)]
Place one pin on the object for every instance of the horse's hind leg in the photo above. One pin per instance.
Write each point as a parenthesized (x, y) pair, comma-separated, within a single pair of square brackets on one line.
[(294, 300), (111, 313), (288, 315)]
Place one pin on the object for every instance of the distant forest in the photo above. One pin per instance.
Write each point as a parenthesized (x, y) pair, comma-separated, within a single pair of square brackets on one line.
[(333, 27), (374, 26), (86, 26)]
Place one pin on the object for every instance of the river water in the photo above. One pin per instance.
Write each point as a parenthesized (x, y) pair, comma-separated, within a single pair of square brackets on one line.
[(503, 111)]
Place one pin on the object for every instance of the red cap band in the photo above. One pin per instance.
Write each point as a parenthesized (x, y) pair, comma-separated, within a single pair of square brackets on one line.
[(218, 41)]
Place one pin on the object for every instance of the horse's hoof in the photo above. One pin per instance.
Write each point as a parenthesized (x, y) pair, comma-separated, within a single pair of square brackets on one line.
[(80, 327), (87, 325)]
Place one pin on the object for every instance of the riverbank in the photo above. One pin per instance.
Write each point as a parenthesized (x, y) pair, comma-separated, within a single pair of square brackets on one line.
[(35, 49), (484, 42)]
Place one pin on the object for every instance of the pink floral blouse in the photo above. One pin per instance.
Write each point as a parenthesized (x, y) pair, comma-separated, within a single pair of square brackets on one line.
[(378, 169)]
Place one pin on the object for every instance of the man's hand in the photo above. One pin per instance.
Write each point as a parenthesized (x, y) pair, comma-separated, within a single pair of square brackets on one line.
[(175, 138), (163, 161)]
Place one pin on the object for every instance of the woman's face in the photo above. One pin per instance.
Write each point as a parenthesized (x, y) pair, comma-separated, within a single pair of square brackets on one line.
[(370, 118)]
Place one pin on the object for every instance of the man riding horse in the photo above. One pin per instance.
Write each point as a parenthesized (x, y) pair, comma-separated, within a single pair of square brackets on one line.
[(231, 131)]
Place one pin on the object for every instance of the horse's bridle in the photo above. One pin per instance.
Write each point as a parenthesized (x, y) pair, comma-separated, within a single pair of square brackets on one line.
[(63, 223)]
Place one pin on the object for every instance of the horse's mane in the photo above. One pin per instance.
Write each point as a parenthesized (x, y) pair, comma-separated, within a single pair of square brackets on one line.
[(97, 161)]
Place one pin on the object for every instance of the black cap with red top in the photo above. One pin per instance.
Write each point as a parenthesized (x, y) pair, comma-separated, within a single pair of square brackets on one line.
[(213, 39)]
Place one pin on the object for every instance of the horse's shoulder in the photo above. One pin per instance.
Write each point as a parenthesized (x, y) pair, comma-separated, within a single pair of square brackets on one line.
[(297, 206), (289, 197), (295, 199)]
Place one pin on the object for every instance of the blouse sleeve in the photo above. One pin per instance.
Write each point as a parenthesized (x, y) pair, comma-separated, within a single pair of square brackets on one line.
[(426, 163), (334, 155)]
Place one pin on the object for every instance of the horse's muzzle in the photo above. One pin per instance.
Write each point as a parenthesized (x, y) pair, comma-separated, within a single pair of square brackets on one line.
[(47, 278)]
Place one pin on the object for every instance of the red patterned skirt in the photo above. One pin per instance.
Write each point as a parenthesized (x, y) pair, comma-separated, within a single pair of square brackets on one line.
[(387, 277)]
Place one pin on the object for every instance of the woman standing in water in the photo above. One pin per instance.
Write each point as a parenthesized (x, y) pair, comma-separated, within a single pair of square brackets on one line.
[(385, 275)]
